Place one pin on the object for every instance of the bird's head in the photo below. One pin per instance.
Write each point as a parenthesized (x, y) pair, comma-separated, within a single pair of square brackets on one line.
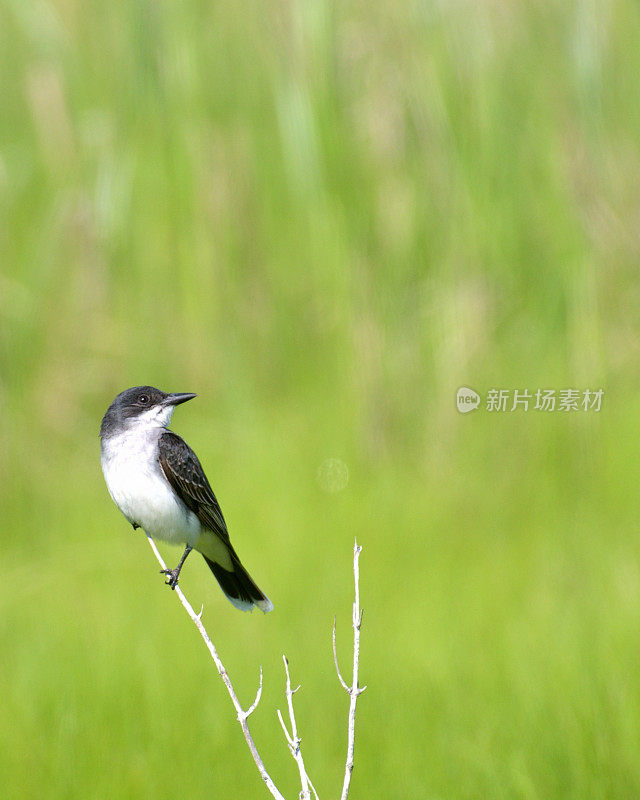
[(143, 407)]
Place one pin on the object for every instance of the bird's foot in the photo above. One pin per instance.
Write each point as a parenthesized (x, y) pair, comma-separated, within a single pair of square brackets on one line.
[(173, 576)]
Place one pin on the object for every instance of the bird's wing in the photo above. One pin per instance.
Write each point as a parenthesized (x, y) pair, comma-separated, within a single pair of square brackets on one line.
[(185, 474)]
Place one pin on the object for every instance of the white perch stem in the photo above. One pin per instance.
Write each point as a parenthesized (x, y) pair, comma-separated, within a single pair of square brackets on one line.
[(242, 715), (354, 691)]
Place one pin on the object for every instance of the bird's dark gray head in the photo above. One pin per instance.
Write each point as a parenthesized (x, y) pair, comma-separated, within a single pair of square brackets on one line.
[(141, 406)]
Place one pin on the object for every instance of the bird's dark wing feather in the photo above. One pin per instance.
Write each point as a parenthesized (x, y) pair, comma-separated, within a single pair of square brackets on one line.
[(185, 474)]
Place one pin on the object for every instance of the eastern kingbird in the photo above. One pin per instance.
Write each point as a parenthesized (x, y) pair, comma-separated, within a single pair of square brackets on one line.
[(156, 480)]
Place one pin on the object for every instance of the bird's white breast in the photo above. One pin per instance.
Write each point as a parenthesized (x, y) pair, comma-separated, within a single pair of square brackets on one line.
[(139, 488)]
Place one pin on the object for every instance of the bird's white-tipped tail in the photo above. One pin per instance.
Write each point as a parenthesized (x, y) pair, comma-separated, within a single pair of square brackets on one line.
[(238, 586)]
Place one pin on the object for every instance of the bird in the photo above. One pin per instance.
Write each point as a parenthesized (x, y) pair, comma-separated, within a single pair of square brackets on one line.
[(158, 483)]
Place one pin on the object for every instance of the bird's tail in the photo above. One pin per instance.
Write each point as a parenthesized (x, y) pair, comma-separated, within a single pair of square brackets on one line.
[(238, 586)]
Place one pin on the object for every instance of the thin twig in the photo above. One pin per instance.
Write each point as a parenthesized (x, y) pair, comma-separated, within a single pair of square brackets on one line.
[(354, 690), (284, 728), (335, 658), (254, 705), (242, 715), (294, 740)]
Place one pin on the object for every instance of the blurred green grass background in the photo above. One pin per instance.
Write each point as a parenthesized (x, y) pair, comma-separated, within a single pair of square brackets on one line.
[(323, 218)]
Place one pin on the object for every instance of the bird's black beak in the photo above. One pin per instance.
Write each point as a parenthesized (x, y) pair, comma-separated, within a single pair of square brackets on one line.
[(177, 397)]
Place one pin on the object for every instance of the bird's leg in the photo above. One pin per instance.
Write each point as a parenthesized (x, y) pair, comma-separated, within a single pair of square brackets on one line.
[(173, 575)]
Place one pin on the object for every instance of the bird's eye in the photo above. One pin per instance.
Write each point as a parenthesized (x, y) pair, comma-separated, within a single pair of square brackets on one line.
[(143, 399)]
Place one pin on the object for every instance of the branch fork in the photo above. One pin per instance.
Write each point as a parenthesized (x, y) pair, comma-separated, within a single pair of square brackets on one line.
[(293, 740)]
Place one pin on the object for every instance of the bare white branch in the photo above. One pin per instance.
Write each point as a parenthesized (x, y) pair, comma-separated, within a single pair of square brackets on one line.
[(293, 740), (242, 715), (354, 690)]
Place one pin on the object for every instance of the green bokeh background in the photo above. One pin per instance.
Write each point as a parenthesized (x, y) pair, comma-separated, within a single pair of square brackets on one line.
[(324, 218)]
